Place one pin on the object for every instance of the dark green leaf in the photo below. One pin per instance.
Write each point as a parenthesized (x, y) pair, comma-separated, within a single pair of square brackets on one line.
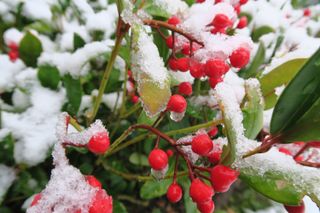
[(74, 93), (30, 49), (144, 119), (153, 189), (298, 97), (253, 69), (6, 150), (258, 32), (118, 207), (49, 76), (78, 42)]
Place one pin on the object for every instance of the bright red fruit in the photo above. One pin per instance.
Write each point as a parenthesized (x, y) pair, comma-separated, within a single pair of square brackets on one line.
[(222, 177), (307, 12), (215, 156), (221, 21), (237, 8), (240, 57), (206, 207), (169, 152), (174, 20), (200, 1), (99, 143), (213, 131), (36, 199), (177, 103), (285, 151), (196, 69), (135, 99), (242, 2), (174, 193), (243, 22), (185, 88), (215, 68), (214, 81), (186, 49), (217, 1), (218, 30), (13, 46), (93, 181), (102, 202), (158, 159), (181, 64), (13, 55), (201, 144), (200, 192), (169, 42), (295, 209)]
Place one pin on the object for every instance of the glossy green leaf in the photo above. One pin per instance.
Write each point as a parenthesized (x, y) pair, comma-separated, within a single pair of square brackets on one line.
[(273, 186), (252, 70), (252, 111), (153, 189), (49, 76), (258, 32), (30, 49), (139, 159), (144, 119), (78, 41), (74, 93), (298, 97), (118, 207), (281, 75)]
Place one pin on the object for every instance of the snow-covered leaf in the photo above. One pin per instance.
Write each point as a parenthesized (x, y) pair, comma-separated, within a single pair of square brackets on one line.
[(30, 49), (49, 76), (258, 32)]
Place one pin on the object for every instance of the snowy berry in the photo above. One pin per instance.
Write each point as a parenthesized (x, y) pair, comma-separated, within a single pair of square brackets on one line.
[(174, 20), (200, 1), (218, 30), (222, 177), (177, 103), (185, 88), (13, 46), (307, 12), (200, 192), (243, 22), (135, 99), (285, 151), (174, 193), (196, 69), (240, 57), (201, 144), (158, 159), (214, 81), (213, 131), (169, 42), (215, 156), (36, 199), (93, 181), (295, 209), (215, 68), (237, 8), (99, 143), (13, 55), (221, 21), (181, 64), (206, 207), (102, 202), (242, 2)]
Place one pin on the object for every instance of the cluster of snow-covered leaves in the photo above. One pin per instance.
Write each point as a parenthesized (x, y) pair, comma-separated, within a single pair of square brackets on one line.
[(64, 46)]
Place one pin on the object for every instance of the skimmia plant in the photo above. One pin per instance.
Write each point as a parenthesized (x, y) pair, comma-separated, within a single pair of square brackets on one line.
[(124, 102)]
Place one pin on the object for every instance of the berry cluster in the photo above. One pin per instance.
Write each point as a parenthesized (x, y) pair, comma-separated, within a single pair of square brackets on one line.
[(13, 51)]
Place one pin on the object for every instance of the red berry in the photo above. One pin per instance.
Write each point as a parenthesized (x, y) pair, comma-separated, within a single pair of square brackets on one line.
[(101, 203), (201, 144), (242, 2), (295, 209), (222, 177), (213, 131), (215, 156), (240, 57), (185, 88), (13, 55), (299, 158), (181, 64), (237, 8), (174, 193), (177, 103), (174, 20), (200, 1), (99, 143), (200, 192), (218, 30), (93, 181), (158, 159), (221, 21), (206, 207), (169, 42), (215, 68), (196, 69), (307, 12), (214, 81), (36, 199), (217, 1), (169, 152), (243, 22), (130, 73), (285, 151), (135, 99), (13, 46)]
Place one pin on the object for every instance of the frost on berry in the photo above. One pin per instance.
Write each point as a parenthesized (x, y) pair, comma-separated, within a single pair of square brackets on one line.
[(186, 150), (159, 174)]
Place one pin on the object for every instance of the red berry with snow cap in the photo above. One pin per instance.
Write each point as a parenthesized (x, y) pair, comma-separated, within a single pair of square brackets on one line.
[(295, 209), (174, 193), (221, 21), (196, 69), (215, 68), (102, 202), (93, 181), (99, 143), (215, 156), (242, 2), (158, 159), (200, 192), (13, 55), (177, 103), (206, 207), (185, 88), (222, 177), (213, 131), (36, 199), (181, 64), (243, 22), (240, 57), (174, 20), (201, 144), (214, 81)]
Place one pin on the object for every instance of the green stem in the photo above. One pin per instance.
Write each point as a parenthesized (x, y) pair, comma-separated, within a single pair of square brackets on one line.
[(75, 124), (132, 110)]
